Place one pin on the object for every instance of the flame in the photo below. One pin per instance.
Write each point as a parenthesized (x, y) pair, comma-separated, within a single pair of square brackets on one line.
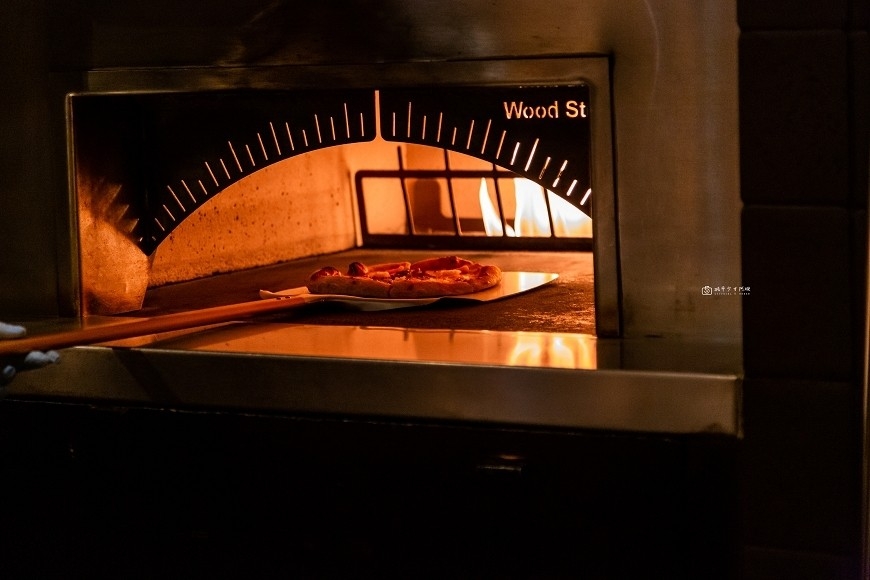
[(568, 221), (531, 214), (531, 218), (491, 221)]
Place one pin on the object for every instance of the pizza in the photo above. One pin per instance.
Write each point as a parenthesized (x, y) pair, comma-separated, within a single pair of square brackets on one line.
[(430, 278)]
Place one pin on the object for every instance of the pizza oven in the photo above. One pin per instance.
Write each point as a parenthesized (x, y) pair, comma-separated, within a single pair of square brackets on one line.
[(197, 177), (668, 404), (170, 158)]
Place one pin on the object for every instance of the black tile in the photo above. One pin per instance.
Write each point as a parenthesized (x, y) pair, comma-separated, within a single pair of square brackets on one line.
[(791, 14), (801, 465), (797, 318), (859, 15), (768, 564), (794, 122), (859, 287), (859, 104)]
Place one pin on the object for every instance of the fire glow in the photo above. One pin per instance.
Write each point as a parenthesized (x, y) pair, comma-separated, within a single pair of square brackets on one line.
[(532, 218), (554, 351)]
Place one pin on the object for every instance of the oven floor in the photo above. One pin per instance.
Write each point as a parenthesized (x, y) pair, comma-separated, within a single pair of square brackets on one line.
[(567, 305)]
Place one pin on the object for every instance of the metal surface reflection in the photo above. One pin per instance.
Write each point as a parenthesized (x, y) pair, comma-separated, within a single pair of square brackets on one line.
[(522, 349)]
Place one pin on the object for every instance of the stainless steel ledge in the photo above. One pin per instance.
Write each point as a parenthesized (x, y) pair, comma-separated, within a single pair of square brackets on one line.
[(652, 386)]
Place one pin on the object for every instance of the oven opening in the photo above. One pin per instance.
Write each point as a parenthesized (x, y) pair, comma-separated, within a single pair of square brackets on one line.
[(190, 200)]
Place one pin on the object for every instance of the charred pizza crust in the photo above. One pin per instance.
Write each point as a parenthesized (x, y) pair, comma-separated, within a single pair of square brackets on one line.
[(433, 277)]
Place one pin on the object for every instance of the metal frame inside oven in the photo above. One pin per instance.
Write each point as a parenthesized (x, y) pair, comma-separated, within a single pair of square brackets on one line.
[(456, 235)]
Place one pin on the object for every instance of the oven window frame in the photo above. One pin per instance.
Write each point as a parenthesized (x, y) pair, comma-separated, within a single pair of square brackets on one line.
[(593, 70)]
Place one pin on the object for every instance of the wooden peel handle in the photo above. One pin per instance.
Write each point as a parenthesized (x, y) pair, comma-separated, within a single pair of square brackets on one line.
[(146, 326)]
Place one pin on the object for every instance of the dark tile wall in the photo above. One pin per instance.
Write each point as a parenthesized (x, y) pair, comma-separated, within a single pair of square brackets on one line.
[(797, 84), (798, 322), (804, 111), (859, 100), (792, 14)]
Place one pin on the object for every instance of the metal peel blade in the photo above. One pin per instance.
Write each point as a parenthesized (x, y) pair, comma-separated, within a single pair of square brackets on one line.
[(512, 283)]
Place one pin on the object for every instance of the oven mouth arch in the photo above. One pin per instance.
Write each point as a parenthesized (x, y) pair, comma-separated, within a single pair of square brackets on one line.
[(186, 148)]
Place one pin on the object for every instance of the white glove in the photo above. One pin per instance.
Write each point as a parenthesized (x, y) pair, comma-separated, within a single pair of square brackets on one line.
[(10, 366)]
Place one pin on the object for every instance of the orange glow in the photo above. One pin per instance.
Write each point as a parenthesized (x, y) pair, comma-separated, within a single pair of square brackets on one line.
[(556, 351), (531, 214)]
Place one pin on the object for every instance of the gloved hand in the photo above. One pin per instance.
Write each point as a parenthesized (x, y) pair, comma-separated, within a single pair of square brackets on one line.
[(10, 366)]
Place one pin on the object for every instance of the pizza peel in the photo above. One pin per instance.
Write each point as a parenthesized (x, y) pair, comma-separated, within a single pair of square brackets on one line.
[(512, 283)]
